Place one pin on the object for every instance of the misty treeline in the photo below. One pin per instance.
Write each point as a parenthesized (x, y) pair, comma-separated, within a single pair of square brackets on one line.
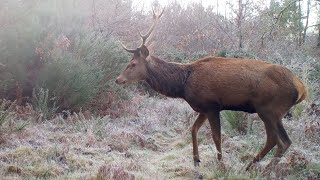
[(65, 54)]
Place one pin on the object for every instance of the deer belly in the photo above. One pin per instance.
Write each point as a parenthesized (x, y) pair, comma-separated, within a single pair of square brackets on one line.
[(245, 107)]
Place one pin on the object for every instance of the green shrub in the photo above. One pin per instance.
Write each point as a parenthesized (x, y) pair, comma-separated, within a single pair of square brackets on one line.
[(297, 111), (222, 53), (237, 120), (72, 82), (314, 73), (76, 76), (42, 103), (58, 52), (174, 55), (198, 55), (236, 54), (6, 111)]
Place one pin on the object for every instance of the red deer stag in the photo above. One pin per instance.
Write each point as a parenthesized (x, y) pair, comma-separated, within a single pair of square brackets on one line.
[(214, 84)]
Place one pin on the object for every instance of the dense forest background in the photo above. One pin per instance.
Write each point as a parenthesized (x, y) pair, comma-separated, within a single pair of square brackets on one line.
[(59, 60)]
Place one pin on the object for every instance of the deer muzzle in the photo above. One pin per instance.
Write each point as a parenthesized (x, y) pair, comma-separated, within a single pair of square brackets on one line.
[(120, 80)]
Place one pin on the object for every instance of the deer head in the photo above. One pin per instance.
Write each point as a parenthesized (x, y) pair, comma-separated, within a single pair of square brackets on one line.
[(136, 69)]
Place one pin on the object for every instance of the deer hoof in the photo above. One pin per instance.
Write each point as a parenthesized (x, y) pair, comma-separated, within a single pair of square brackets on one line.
[(198, 175), (196, 163), (219, 156), (249, 167)]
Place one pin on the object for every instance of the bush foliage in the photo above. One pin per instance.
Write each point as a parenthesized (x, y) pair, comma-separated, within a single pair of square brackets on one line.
[(57, 52)]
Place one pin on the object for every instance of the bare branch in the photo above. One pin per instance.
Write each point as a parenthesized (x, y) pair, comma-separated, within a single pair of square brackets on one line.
[(314, 25)]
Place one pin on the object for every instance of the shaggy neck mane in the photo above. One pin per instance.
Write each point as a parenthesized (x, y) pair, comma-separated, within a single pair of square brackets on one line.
[(167, 78)]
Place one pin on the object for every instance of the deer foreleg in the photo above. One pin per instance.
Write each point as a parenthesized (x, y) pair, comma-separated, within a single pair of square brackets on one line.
[(214, 120), (197, 124)]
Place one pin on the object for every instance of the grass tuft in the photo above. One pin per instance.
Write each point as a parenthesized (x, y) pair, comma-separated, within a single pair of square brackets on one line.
[(107, 172)]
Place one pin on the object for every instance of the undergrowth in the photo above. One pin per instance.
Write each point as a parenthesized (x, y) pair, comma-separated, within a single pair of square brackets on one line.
[(151, 143), (9, 123)]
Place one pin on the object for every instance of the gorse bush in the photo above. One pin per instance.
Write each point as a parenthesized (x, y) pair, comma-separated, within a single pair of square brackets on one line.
[(70, 80), (199, 55), (42, 103), (315, 73), (77, 76), (237, 120), (58, 51), (174, 54), (243, 54)]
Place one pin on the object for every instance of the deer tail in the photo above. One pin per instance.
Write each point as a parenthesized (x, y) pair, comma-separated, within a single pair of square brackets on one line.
[(302, 92)]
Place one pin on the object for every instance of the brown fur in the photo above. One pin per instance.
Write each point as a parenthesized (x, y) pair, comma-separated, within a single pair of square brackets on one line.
[(213, 84), (169, 80)]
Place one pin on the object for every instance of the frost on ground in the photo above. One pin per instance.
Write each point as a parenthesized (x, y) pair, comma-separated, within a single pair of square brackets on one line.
[(152, 141)]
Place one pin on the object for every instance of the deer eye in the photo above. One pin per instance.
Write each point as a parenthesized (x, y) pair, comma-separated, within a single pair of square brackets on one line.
[(133, 64)]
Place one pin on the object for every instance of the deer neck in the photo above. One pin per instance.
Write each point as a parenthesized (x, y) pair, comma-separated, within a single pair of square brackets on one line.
[(167, 78)]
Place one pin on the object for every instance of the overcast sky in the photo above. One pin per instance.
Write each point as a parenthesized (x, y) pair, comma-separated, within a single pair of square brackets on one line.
[(146, 4)]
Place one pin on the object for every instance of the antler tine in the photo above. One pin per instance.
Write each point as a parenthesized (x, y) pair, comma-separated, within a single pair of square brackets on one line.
[(153, 14), (128, 50), (161, 13), (155, 19)]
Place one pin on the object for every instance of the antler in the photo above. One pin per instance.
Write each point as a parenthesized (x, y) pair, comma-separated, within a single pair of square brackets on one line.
[(145, 37), (155, 20), (128, 50)]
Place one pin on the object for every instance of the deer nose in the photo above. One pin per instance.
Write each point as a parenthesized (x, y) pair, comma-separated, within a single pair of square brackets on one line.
[(120, 80), (117, 80)]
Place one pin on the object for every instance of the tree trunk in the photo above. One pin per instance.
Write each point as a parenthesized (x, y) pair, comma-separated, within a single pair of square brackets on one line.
[(299, 27), (307, 23), (318, 42), (240, 17)]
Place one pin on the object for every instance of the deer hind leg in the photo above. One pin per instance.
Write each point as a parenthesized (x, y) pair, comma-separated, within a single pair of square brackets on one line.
[(276, 135), (196, 126), (270, 143), (284, 141), (214, 120)]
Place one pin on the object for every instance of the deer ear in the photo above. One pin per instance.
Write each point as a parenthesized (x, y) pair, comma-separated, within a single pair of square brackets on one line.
[(144, 51)]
